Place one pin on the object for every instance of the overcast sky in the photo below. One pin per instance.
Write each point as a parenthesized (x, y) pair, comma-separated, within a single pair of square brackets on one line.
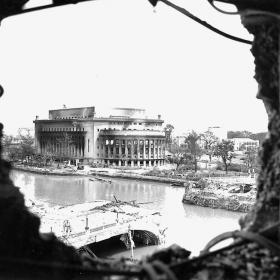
[(125, 53)]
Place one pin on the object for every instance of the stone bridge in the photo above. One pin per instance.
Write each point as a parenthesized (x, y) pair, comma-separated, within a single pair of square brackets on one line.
[(107, 231), (84, 224)]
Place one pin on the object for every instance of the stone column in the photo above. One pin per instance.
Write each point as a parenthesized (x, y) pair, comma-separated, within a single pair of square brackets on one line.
[(132, 150), (138, 150), (76, 144), (120, 148), (144, 149), (80, 146), (109, 149), (114, 149), (125, 148)]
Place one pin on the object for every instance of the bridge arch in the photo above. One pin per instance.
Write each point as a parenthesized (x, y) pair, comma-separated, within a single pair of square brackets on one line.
[(119, 242)]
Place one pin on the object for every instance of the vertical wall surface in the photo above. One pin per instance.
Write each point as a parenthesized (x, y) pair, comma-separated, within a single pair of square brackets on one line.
[(265, 28)]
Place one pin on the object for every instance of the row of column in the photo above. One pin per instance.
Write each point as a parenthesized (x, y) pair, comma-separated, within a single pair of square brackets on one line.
[(68, 145), (133, 151), (144, 163)]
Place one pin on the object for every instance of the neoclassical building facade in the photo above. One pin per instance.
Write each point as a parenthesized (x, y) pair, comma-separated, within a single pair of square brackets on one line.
[(126, 137)]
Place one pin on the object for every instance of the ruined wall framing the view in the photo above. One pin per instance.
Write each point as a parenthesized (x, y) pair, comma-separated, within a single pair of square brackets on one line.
[(26, 243)]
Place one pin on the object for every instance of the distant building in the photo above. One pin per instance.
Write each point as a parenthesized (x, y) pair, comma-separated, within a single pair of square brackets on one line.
[(125, 138), (244, 144)]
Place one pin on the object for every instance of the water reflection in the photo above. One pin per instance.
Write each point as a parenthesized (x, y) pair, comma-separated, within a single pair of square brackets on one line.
[(189, 226)]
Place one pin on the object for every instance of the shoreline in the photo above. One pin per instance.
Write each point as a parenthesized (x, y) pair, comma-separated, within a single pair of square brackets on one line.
[(106, 174)]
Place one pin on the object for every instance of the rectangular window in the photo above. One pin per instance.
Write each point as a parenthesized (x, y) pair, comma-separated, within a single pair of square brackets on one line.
[(112, 142), (88, 145), (117, 142)]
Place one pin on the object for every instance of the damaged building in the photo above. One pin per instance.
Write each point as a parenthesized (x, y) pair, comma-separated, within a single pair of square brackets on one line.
[(126, 137)]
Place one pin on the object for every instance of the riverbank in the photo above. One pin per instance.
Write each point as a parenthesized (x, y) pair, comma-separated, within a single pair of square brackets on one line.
[(231, 195), (102, 172), (142, 174)]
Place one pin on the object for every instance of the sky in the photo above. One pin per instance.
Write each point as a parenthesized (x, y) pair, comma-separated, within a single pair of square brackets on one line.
[(125, 53)]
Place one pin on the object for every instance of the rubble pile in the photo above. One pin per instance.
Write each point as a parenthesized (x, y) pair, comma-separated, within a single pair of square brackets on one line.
[(234, 196)]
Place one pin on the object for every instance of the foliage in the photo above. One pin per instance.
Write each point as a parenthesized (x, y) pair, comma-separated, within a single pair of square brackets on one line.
[(224, 150), (168, 129), (9, 147), (210, 142), (26, 145), (251, 158), (193, 147), (19, 147), (233, 167), (180, 155)]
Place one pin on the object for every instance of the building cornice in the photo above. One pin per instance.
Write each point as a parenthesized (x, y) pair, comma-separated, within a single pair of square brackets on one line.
[(100, 120)]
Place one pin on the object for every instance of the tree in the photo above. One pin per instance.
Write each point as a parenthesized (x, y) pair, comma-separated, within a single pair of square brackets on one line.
[(7, 141), (19, 147), (180, 155), (210, 142), (224, 150), (251, 157), (26, 145), (193, 147), (10, 148), (168, 134)]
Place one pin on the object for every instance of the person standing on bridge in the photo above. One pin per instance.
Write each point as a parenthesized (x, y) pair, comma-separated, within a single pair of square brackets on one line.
[(67, 227)]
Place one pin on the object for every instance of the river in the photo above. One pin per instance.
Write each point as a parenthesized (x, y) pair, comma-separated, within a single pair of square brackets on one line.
[(188, 226)]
